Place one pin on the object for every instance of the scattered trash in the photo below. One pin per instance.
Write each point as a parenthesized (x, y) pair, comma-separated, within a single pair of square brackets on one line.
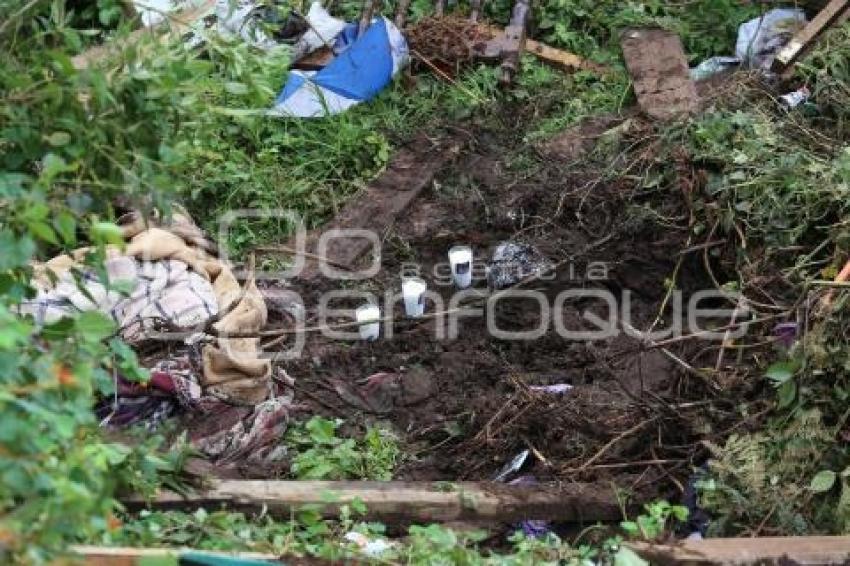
[(713, 66), (760, 39), (698, 518), (795, 98), (531, 528), (786, 333), (460, 258), (383, 392), (251, 21), (368, 312), (413, 293), (154, 12), (322, 31), (555, 389), (513, 466), (356, 75), (372, 547), (514, 261)]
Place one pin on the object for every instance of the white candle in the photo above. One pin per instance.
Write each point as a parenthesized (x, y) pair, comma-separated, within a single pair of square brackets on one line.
[(368, 312), (460, 258), (413, 292)]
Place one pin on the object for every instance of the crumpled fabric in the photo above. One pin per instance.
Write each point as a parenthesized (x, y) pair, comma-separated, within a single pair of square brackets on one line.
[(176, 284), (254, 436), (173, 385)]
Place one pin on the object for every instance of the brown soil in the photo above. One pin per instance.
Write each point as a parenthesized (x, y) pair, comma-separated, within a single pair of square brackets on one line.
[(473, 410)]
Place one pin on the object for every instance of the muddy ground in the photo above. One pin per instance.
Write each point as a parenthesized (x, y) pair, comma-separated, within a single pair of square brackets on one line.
[(465, 407)]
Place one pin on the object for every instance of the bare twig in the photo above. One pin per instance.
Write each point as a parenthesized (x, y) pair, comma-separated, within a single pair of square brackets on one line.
[(612, 442)]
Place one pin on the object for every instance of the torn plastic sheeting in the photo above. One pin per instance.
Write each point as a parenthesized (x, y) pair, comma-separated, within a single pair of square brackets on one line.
[(356, 75), (760, 39), (713, 66)]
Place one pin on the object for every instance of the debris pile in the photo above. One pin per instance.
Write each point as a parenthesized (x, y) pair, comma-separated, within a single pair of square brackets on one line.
[(450, 42)]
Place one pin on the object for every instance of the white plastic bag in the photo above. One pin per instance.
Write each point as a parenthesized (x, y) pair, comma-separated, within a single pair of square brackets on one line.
[(323, 29), (760, 39)]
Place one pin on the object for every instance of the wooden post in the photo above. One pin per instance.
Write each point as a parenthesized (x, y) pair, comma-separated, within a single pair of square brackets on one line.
[(474, 10), (404, 502), (401, 13), (514, 40)]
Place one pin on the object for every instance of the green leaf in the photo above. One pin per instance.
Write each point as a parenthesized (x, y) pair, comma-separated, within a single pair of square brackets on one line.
[(321, 430), (58, 139), (235, 88), (95, 325), (66, 225), (15, 251), (43, 231), (54, 165), (627, 557), (823, 481), (787, 392), (780, 372), (106, 233)]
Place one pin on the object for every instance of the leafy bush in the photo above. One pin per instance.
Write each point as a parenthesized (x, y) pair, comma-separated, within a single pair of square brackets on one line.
[(322, 455)]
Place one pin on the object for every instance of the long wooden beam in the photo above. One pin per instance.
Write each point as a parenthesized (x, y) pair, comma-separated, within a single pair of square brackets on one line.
[(726, 551), (753, 550), (400, 501)]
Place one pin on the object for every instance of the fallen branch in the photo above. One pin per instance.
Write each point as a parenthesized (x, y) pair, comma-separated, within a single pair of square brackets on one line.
[(404, 501), (612, 442)]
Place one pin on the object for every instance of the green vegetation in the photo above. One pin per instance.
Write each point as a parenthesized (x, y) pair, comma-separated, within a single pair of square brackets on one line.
[(321, 455), (653, 525), (309, 535)]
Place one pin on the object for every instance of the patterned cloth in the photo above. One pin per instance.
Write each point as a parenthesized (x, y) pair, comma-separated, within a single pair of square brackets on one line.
[(163, 295), (167, 279), (173, 386)]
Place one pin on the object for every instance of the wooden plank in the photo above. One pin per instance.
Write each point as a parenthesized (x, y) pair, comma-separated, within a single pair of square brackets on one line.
[(403, 502), (375, 209), (803, 39), (175, 25), (727, 551), (657, 64), (556, 57), (761, 550), (128, 556)]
